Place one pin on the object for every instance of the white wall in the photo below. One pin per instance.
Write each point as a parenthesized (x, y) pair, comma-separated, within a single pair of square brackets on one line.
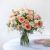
[(40, 6)]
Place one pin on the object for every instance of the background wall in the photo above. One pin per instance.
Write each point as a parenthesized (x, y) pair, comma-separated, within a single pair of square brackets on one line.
[(40, 6)]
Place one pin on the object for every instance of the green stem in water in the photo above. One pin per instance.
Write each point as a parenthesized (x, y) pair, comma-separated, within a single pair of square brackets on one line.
[(24, 39)]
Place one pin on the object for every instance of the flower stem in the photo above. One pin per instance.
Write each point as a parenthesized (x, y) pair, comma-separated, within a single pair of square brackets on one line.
[(24, 39)]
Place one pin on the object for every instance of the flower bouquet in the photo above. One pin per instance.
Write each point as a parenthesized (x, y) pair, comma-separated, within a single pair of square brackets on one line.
[(25, 20)]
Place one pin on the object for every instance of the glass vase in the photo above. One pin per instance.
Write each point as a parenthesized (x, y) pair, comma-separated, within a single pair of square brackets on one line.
[(24, 39)]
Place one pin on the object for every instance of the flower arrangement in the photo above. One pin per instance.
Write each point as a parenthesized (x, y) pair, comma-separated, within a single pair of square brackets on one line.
[(25, 20)]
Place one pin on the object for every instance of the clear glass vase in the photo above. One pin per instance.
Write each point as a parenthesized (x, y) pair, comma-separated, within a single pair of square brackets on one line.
[(24, 39)]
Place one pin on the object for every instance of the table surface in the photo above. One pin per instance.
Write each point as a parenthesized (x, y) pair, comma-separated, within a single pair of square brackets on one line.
[(14, 44)]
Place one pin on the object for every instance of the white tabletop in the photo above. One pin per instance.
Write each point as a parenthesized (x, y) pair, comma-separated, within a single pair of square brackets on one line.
[(15, 45)]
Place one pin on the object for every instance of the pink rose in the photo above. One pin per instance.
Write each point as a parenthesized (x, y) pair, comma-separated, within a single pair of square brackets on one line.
[(30, 12), (27, 26), (29, 17), (36, 25), (39, 24), (37, 17), (21, 19)]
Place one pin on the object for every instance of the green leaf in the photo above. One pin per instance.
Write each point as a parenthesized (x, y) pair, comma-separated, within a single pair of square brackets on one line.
[(17, 22), (24, 15)]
